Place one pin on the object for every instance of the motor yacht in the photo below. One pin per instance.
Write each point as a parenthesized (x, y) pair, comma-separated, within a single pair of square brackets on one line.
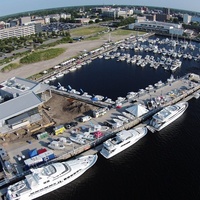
[(166, 116)]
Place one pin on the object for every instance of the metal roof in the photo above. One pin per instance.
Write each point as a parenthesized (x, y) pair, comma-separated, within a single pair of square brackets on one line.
[(18, 105), (19, 86)]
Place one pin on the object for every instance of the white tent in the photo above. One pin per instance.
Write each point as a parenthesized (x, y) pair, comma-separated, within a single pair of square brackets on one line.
[(137, 110)]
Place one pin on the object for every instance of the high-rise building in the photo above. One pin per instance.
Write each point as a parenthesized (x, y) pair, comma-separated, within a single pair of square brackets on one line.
[(166, 11), (187, 18)]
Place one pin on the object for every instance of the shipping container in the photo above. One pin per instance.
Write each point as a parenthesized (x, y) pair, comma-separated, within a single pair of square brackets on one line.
[(41, 151)]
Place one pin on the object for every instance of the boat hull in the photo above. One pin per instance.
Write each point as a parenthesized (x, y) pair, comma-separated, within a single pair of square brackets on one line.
[(184, 106), (124, 145), (60, 181)]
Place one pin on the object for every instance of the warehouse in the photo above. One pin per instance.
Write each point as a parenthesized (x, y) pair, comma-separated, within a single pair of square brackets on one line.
[(19, 102)]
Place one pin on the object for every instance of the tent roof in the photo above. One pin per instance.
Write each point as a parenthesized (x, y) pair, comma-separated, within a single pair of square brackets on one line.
[(137, 110)]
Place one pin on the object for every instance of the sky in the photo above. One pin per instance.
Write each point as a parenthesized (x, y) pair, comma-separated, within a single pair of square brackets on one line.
[(8, 7)]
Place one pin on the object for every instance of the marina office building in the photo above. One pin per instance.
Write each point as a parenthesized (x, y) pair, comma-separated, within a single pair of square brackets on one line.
[(162, 27), (19, 103)]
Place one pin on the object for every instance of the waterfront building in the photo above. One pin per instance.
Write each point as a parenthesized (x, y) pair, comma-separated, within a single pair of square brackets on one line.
[(163, 27), (19, 102)]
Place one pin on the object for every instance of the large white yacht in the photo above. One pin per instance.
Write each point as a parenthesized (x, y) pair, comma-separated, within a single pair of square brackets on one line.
[(50, 177), (122, 141), (166, 116)]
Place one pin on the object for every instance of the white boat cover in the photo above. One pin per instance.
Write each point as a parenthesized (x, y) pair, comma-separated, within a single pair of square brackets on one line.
[(137, 110)]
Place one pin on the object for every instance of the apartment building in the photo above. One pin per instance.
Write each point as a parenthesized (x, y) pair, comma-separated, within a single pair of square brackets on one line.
[(19, 31)]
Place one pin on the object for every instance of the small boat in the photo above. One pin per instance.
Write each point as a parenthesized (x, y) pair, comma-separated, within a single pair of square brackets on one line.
[(59, 75), (88, 136), (124, 119), (171, 79), (159, 84), (128, 115), (78, 139), (122, 141), (196, 95), (71, 69), (46, 81), (65, 141), (117, 121), (56, 145), (52, 78)]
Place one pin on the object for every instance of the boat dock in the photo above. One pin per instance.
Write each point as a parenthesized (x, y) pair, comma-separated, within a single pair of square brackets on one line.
[(172, 91), (89, 56)]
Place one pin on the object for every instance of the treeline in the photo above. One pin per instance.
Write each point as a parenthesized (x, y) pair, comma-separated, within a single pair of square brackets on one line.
[(8, 45), (125, 21)]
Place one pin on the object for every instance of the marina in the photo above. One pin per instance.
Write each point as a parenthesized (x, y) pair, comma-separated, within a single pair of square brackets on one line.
[(131, 110)]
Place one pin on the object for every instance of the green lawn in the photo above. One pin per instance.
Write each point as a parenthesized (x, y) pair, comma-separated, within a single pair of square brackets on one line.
[(85, 31), (41, 55), (126, 32), (10, 67)]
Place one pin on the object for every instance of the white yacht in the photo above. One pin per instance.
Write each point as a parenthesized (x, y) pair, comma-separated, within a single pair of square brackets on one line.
[(122, 141), (49, 177), (167, 115)]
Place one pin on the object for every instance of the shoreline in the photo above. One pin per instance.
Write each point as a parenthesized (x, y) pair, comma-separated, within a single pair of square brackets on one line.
[(72, 50)]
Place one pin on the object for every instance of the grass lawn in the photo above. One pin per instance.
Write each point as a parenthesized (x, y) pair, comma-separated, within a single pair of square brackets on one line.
[(10, 67), (41, 55), (126, 32), (93, 38), (85, 31)]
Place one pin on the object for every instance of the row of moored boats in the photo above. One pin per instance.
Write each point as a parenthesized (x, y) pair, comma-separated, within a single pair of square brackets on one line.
[(52, 176)]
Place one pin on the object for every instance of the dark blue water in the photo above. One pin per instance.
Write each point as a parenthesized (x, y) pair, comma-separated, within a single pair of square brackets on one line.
[(161, 166)]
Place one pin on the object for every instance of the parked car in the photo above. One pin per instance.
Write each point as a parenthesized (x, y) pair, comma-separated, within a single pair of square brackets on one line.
[(67, 125), (73, 124)]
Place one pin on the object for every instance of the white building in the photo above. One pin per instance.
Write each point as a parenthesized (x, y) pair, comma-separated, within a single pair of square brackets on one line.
[(19, 103), (17, 31), (162, 27), (47, 20), (187, 19)]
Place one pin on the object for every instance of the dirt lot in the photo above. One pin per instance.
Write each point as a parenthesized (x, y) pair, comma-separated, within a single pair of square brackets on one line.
[(63, 110)]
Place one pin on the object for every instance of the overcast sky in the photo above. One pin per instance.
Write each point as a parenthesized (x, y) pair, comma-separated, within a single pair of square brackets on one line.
[(16, 6)]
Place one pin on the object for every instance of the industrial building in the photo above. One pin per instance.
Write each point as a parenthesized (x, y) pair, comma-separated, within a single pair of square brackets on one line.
[(162, 27), (20, 100)]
